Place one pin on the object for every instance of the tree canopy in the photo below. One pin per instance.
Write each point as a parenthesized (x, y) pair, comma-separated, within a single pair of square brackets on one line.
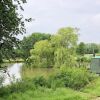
[(65, 42), (81, 49), (42, 54), (59, 50), (28, 43), (88, 48), (11, 25)]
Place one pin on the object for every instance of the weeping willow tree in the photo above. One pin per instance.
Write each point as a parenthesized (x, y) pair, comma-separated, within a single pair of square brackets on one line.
[(11, 24), (59, 51), (65, 42)]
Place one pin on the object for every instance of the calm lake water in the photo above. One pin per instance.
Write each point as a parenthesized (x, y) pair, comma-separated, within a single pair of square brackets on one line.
[(12, 73)]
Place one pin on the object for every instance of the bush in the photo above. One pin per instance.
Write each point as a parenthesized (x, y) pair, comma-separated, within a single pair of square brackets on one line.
[(40, 81), (17, 87), (75, 78)]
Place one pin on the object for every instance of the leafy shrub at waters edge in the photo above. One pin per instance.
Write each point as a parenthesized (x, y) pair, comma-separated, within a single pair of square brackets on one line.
[(21, 86), (75, 78)]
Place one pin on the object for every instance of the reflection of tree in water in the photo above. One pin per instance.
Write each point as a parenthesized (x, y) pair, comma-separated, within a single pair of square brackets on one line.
[(11, 73), (4, 70), (11, 77), (1, 80), (4, 73)]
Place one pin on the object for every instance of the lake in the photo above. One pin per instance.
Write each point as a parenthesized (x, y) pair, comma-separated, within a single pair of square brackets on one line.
[(13, 73)]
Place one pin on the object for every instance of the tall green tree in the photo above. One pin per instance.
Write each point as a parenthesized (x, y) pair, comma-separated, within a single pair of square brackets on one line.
[(65, 37), (58, 51), (28, 43), (65, 42), (11, 25), (42, 54), (81, 49)]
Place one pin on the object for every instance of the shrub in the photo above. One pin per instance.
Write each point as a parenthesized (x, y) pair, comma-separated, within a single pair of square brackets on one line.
[(17, 87), (40, 81), (53, 82), (75, 78)]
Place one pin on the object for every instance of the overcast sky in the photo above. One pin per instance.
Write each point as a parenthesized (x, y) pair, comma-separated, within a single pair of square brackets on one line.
[(50, 15)]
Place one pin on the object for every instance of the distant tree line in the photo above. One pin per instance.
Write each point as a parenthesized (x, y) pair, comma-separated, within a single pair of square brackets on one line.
[(85, 51), (88, 48)]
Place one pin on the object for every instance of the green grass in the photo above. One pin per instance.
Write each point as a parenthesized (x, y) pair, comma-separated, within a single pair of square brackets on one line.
[(93, 88), (48, 94), (35, 72), (27, 90)]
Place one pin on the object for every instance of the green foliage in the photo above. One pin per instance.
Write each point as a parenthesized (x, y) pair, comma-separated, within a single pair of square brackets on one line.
[(47, 94), (81, 48), (92, 48), (75, 78), (59, 50), (93, 88), (11, 25), (82, 61), (40, 81), (28, 43), (88, 48), (51, 88), (17, 87), (64, 56), (42, 54), (64, 44)]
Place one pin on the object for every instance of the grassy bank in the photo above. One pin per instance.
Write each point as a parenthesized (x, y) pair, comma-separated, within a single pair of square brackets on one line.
[(48, 94), (50, 84), (27, 90), (93, 88)]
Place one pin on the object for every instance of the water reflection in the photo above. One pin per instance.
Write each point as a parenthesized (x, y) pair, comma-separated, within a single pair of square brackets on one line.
[(12, 74)]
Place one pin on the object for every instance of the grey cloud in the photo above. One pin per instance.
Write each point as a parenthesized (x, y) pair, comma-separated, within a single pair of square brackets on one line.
[(50, 15)]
